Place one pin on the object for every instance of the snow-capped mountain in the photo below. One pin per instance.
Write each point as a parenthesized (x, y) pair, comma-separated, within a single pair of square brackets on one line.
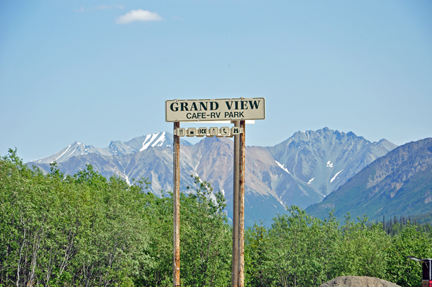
[(74, 149), (325, 159), (135, 145)]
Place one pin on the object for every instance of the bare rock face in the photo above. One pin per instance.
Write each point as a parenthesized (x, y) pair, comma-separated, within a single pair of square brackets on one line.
[(395, 184), (358, 281)]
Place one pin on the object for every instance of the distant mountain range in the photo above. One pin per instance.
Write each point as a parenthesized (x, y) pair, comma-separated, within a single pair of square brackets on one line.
[(300, 171), (135, 145), (397, 184)]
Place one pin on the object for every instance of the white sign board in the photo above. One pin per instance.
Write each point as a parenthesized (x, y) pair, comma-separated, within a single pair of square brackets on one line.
[(215, 110)]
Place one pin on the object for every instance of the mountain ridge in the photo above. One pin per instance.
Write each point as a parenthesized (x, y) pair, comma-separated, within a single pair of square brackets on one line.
[(397, 184), (134, 145), (300, 171)]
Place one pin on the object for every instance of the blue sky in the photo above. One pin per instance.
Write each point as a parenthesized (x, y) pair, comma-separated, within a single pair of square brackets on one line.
[(96, 71)]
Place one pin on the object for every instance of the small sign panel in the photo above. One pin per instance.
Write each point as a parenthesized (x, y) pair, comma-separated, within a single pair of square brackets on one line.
[(181, 132), (208, 132), (213, 132), (225, 131), (191, 132), (202, 132), (236, 131), (215, 110)]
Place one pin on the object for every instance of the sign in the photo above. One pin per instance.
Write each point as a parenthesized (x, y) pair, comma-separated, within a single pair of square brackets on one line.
[(238, 111), (215, 110), (208, 132)]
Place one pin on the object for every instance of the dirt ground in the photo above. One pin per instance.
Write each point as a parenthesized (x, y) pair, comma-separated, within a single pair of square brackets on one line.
[(358, 281)]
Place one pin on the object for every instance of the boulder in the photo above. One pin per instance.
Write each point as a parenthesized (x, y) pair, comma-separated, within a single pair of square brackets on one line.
[(358, 281)]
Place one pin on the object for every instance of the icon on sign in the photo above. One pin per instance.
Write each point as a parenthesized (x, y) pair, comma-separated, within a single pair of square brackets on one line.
[(181, 132), (225, 131), (236, 131), (214, 132), (191, 132), (202, 132)]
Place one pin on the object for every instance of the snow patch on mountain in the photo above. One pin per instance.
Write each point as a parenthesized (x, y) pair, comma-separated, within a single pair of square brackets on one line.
[(195, 168), (127, 179), (334, 177), (148, 140), (153, 140), (160, 140), (61, 154), (282, 166), (280, 201)]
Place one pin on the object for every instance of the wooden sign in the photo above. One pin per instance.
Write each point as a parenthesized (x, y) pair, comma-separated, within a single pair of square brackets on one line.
[(215, 110)]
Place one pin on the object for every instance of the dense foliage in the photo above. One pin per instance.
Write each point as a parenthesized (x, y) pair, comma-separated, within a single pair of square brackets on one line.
[(395, 226), (205, 248), (299, 250), (86, 230), (60, 230)]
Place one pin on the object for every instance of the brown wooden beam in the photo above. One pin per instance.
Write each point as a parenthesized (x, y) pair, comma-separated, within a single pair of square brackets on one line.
[(176, 207)]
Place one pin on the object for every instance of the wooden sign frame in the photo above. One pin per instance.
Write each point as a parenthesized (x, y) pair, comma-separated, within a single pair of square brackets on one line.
[(238, 178)]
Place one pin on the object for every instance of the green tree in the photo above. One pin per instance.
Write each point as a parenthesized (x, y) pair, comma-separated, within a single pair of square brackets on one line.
[(298, 249), (159, 214), (206, 237), (256, 240), (58, 230), (409, 242), (361, 250)]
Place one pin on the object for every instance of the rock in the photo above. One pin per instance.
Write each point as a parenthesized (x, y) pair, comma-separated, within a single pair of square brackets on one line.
[(358, 281)]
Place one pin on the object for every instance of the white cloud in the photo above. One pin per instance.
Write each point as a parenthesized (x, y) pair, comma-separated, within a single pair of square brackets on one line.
[(138, 15), (100, 7), (105, 7)]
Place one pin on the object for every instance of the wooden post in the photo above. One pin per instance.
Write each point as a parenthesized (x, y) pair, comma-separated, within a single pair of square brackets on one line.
[(176, 207), (236, 181), (241, 201)]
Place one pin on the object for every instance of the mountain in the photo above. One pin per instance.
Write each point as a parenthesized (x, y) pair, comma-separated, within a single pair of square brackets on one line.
[(299, 171), (397, 184), (135, 145), (325, 159)]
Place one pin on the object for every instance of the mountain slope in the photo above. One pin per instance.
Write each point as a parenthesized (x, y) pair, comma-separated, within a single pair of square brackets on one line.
[(399, 183), (74, 149), (325, 159), (115, 148)]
